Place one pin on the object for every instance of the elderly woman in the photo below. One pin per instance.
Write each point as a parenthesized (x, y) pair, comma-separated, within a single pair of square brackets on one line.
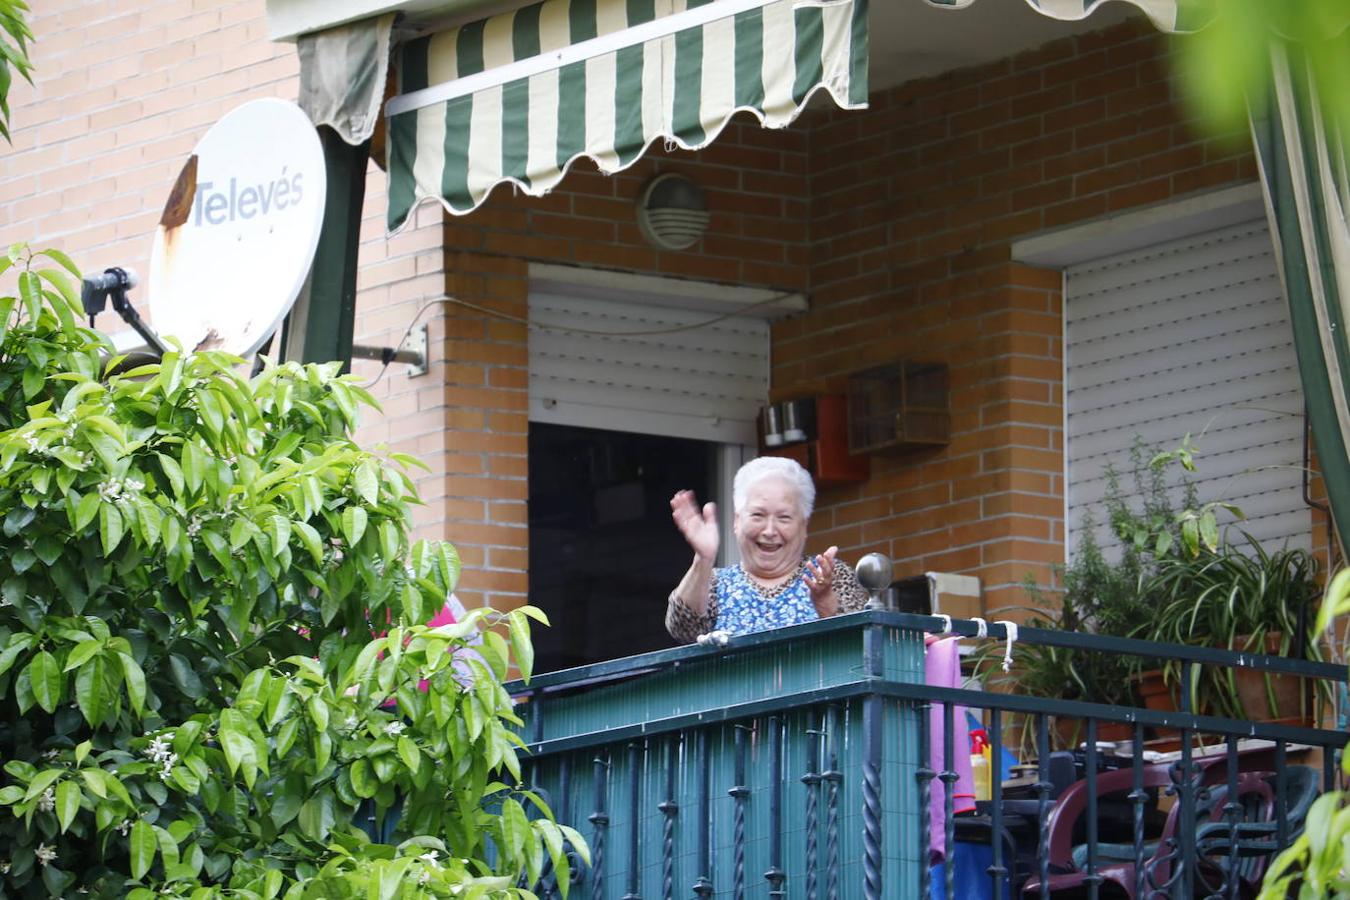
[(774, 584)]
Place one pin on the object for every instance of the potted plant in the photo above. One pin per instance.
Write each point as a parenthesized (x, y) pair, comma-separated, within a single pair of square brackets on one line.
[(1240, 597), (1098, 596)]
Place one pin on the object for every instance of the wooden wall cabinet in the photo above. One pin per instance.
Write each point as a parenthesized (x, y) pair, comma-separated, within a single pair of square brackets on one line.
[(899, 406)]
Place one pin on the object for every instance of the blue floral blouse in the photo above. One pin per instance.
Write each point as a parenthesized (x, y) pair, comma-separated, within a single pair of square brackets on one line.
[(739, 605)]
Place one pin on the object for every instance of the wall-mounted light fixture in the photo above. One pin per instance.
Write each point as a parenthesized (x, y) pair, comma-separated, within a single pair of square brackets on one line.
[(672, 212)]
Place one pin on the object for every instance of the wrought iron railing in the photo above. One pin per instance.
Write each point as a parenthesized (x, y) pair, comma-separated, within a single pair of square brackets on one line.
[(796, 763)]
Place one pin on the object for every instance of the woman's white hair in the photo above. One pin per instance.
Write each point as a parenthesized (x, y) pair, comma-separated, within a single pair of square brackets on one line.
[(756, 470)]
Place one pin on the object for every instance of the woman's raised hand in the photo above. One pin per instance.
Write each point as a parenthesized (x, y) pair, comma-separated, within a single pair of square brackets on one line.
[(698, 528)]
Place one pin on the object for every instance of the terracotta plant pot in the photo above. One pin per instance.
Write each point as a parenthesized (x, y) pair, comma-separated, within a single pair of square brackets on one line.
[(1070, 733), (1292, 699), (1156, 693)]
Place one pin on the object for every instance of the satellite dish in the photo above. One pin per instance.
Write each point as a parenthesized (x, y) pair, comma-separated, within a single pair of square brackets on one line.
[(238, 233)]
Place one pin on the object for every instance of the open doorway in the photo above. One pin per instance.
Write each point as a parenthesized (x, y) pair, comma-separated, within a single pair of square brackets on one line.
[(604, 555)]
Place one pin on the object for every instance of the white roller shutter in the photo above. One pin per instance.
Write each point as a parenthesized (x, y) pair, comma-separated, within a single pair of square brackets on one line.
[(1187, 336), (602, 372)]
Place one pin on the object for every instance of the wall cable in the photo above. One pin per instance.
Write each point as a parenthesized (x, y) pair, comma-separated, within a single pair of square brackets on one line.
[(569, 329)]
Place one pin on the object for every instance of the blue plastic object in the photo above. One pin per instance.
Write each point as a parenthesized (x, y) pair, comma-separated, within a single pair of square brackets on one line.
[(970, 873)]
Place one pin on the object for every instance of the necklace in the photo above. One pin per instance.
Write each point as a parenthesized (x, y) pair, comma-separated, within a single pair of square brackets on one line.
[(766, 585)]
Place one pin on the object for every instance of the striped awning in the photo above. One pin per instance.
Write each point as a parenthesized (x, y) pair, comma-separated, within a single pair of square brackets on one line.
[(520, 96)]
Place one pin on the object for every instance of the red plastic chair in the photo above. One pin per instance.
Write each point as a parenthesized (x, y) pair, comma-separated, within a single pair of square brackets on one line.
[(1254, 793)]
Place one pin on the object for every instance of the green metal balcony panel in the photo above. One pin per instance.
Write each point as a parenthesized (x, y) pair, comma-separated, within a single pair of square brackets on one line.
[(777, 669), (580, 807)]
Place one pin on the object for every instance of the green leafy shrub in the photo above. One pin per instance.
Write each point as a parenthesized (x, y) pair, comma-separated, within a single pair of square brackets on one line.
[(211, 642), (1316, 866)]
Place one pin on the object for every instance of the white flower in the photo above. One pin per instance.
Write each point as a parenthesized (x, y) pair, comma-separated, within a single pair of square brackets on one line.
[(31, 439), (430, 858), (351, 723), (394, 729), (124, 826), (47, 802), (159, 752), (4, 867), (45, 854), (52, 755)]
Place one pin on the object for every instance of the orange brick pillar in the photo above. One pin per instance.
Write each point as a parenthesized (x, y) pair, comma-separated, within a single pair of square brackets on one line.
[(1020, 485), (485, 408)]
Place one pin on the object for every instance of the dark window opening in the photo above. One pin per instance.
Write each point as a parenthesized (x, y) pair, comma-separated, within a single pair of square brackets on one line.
[(604, 555)]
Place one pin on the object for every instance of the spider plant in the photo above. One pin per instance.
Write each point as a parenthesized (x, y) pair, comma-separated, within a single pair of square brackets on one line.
[(1237, 598)]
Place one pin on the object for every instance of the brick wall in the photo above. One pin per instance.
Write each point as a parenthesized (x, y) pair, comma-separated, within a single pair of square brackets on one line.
[(898, 221), (123, 91), (911, 257)]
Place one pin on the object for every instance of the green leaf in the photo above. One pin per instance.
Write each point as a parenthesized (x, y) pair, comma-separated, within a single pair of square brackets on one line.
[(143, 845), (194, 466), (521, 648), (110, 527), (318, 712), (90, 691), (408, 752), (18, 643), (33, 379), (279, 530), (184, 676), (447, 559), (286, 801), (354, 520), (286, 736), (366, 482), (41, 781), (47, 682), (83, 651), (1209, 530), (310, 539), (323, 749), (135, 682), (68, 796), (235, 741), (61, 259), (317, 816), (363, 781), (97, 782), (173, 472)]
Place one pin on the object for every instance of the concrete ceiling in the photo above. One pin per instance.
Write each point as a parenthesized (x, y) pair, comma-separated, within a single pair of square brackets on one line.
[(912, 39)]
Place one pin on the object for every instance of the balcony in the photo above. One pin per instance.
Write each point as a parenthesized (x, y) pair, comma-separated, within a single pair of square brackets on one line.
[(801, 763)]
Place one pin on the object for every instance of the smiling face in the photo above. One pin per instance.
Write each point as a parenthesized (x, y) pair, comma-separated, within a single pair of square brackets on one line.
[(770, 529)]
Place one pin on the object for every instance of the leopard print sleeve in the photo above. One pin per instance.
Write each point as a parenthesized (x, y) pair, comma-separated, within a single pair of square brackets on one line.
[(684, 624), (851, 595)]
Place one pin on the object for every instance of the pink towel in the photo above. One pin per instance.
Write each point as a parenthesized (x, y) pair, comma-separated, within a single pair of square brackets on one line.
[(942, 668), (449, 614)]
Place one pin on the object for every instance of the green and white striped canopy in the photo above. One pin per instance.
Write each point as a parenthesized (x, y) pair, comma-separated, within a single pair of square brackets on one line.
[(520, 96)]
